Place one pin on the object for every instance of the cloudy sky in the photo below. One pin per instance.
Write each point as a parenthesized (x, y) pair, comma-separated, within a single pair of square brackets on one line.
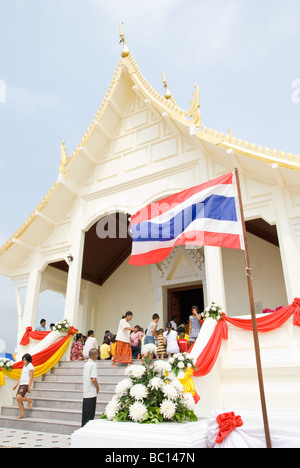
[(57, 58)]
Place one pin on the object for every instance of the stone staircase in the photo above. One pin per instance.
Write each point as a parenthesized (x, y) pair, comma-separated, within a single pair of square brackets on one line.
[(58, 396)]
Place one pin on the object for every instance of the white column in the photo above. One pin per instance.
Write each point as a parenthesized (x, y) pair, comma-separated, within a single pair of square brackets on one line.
[(20, 315), (215, 287), (75, 269), (32, 300), (289, 247)]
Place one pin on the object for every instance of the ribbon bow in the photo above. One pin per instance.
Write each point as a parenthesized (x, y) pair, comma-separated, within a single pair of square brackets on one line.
[(188, 384), (227, 423)]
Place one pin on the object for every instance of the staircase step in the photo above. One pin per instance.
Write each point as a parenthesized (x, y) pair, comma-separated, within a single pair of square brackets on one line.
[(78, 378), (65, 385), (57, 406), (40, 425), (68, 404), (45, 413), (63, 395)]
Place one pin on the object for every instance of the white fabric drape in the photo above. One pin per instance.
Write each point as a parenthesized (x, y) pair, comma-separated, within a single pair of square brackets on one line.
[(204, 336), (249, 437), (35, 346)]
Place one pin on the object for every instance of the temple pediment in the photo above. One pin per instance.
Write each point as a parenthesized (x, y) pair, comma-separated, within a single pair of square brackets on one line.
[(138, 137)]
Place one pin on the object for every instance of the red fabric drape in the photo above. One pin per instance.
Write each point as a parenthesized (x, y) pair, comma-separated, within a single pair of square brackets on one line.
[(272, 321), (35, 335), (209, 355)]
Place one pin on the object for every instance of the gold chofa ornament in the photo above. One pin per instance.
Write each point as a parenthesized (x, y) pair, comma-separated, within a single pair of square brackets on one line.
[(194, 112)]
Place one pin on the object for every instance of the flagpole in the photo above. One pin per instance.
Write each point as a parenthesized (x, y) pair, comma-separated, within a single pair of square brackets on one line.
[(254, 322)]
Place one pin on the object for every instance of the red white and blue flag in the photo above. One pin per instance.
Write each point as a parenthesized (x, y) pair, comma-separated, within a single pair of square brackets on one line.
[(206, 215)]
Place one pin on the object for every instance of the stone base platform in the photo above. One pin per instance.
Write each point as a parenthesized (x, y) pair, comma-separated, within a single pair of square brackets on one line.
[(108, 434)]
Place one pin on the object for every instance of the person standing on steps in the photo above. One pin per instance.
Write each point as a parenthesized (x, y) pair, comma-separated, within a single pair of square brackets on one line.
[(90, 343), (123, 353), (90, 387), (195, 325), (24, 384)]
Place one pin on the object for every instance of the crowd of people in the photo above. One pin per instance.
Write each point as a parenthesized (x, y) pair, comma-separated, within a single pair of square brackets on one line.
[(126, 345), (128, 342)]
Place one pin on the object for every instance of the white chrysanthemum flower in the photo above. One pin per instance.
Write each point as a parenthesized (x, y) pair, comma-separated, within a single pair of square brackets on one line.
[(136, 371), (112, 408), (155, 383), (162, 367), (181, 357), (179, 387), (123, 386), (149, 348), (128, 370), (180, 374), (139, 392), (169, 391), (167, 409), (137, 411), (188, 401), (180, 365)]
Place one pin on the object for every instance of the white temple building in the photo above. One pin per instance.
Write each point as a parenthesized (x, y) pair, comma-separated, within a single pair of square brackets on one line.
[(139, 148)]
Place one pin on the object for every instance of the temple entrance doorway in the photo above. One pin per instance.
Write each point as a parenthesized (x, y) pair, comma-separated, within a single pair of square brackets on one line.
[(181, 300)]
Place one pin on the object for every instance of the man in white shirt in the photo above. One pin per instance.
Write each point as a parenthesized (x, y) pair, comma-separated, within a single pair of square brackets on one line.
[(90, 387)]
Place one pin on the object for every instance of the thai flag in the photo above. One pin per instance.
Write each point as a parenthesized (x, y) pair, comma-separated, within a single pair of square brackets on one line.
[(208, 214)]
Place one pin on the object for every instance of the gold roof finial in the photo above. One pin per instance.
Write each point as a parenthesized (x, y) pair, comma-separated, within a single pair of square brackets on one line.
[(125, 51), (168, 94), (64, 159), (194, 112)]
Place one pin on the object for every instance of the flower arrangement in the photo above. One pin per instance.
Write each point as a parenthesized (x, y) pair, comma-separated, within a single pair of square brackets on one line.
[(149, 349), (6, 364), (180, 363), (148, 396), (62, 326), (213, 311)]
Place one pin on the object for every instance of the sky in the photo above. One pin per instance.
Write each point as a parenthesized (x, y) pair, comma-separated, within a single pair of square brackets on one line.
[(57, 58)]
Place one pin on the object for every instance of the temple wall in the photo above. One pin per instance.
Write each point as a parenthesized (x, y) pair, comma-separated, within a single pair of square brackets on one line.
[(268, 281), (129, 288)]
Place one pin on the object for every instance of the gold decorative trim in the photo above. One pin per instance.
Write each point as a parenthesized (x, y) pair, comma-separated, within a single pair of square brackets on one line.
[(252, 150), (29, 220)]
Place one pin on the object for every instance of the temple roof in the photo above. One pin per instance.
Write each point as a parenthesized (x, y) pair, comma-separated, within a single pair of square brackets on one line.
[(188, 122)]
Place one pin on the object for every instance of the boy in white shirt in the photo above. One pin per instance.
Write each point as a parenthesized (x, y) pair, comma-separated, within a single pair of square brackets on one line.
[(25, 383)]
